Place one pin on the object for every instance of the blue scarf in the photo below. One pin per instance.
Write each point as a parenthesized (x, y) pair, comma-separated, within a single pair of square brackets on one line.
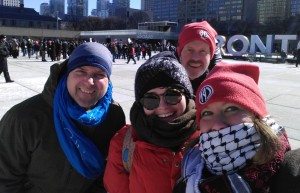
[(81, 152)]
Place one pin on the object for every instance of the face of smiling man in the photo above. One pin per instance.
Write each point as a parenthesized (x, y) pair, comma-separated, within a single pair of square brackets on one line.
[(87, 85), (195, 58)]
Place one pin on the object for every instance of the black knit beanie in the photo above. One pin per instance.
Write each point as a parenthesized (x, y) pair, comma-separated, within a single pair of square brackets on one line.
[(161, 70)]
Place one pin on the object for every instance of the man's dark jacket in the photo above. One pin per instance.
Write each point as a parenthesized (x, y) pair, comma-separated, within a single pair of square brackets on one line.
[(31, 159)]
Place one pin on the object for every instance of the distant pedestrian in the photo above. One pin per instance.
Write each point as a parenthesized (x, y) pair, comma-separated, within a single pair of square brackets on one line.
[(36, 49), (297, 57), (4, 53), (64, 48), (283, 55), (14, 44), (43, 48), (149, 50), (57, 44), (23, 47), (138, 51), (143, 49), (29, 47), (131, 53)]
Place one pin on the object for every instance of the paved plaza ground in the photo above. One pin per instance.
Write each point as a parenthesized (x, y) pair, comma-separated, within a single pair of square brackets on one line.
[(279, 83)]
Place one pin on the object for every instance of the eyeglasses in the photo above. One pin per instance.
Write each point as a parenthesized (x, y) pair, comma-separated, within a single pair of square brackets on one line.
[(151, 101)]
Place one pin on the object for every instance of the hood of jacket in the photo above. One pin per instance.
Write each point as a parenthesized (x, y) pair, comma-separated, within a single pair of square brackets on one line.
[(57, 70)]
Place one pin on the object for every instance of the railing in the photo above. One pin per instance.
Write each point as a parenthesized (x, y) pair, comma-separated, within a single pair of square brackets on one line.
[(259, 57)]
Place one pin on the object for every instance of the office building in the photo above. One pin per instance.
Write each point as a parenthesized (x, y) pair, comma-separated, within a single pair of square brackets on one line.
[(295, 8), (103, 8), (121, 3), (45, 9), (147, 5), (77, 8), (192, 11), (218, 10), (12, 3), (166, 10), (57, 8), (272, 11)]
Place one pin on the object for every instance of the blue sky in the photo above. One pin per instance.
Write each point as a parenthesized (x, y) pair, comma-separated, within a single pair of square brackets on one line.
[(92, 4)]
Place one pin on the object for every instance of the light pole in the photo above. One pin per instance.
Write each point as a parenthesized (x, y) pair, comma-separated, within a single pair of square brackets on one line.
[(56, 20)]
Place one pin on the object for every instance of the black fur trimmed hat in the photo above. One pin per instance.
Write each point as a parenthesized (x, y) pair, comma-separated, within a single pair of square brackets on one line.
[(161, 70)]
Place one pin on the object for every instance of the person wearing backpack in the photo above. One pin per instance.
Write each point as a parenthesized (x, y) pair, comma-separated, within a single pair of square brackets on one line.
[(14, 43), (145, 156)]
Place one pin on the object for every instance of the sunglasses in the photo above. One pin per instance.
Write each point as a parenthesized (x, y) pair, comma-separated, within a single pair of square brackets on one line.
[(151, 101)]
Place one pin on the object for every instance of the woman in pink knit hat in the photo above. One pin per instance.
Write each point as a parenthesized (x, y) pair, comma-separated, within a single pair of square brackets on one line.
[(240, 147)]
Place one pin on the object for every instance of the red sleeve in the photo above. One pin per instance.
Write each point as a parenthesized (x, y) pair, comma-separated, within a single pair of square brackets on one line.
[(116, 178)]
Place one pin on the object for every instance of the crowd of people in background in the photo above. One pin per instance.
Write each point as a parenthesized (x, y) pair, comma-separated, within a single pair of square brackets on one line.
[(54, 49), (57, 49)]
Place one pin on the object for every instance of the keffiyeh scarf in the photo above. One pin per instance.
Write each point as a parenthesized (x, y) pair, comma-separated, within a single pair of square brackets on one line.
[(80, 151), (227, 150), (223, 152)]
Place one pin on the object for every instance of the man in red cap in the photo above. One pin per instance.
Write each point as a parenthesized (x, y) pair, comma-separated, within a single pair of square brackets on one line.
[(197, 50)]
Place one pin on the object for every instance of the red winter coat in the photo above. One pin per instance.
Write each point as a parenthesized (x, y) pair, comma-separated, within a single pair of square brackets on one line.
[(154, 169)]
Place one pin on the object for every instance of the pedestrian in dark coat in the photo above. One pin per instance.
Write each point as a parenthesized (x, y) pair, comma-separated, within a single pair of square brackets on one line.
[(4, 53), (52, 51), (29, 45), (64, 48), (57, 141), (297, 57), (43, 48), (58, 48)]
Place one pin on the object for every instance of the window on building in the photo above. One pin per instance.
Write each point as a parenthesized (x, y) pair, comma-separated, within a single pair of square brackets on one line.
[(13, 23), (31, 24)]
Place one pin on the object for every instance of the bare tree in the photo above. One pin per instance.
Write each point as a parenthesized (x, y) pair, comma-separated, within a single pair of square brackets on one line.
[(137, 17), (113, 23), (91, 24)]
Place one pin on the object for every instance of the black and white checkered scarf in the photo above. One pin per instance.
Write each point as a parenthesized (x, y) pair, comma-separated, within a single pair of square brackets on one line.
[(223, 151), (227, 150)]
